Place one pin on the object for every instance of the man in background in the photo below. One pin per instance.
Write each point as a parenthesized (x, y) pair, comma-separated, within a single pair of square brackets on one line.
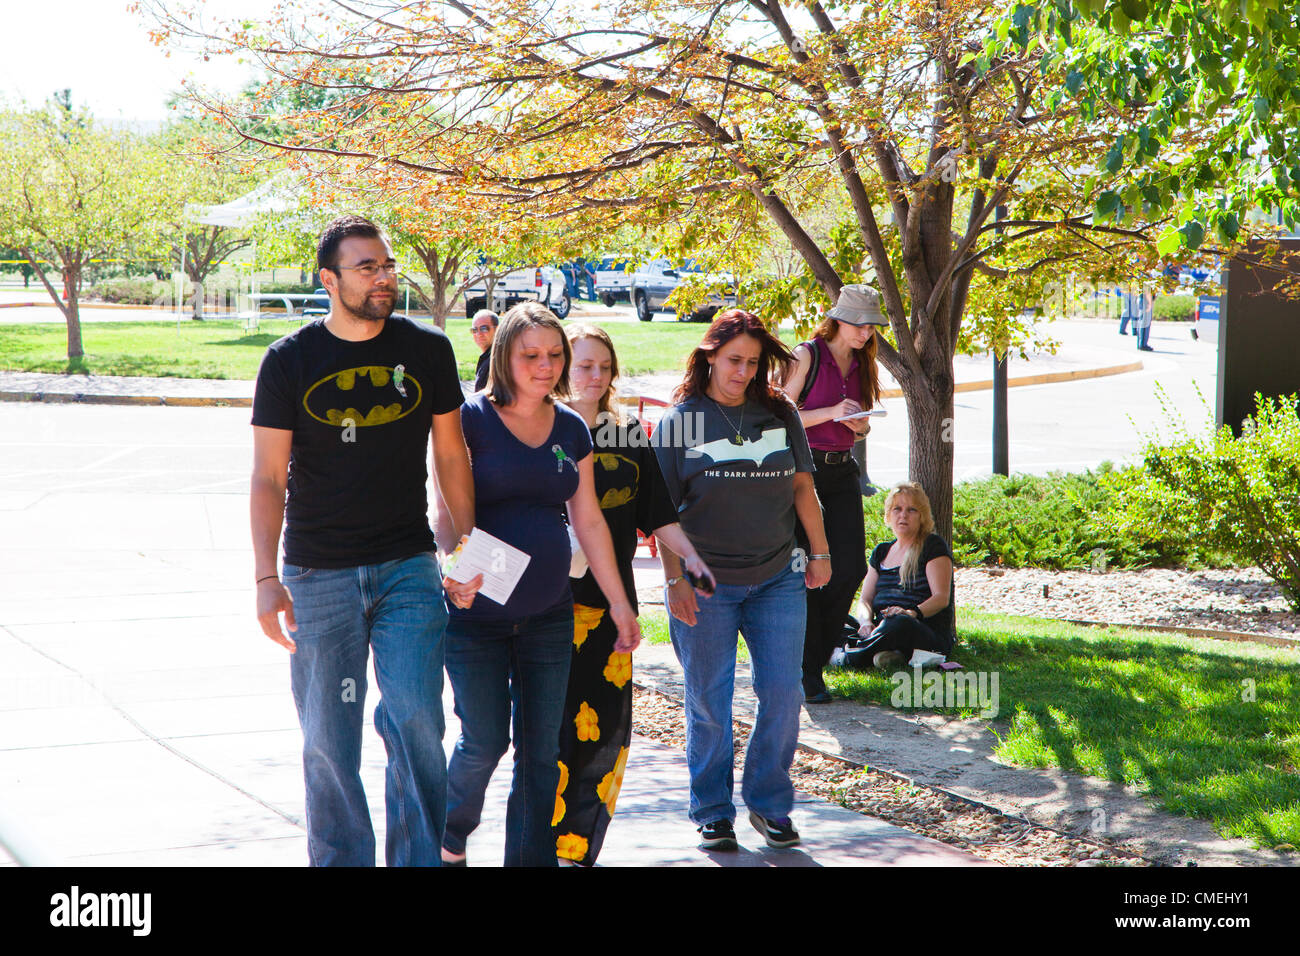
[(483, 327)]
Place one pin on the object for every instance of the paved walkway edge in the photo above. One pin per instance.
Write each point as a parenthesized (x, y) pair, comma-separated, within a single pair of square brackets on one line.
[(90, 398), (901, 778), (192, 401)]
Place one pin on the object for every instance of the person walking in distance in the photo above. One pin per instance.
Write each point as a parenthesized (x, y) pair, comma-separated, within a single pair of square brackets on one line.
[(483, 327), (343, 412)]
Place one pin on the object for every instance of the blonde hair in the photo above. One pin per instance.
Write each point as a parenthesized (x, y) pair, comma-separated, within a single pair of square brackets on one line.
[(526, 315), (912, 557), (608, 401)]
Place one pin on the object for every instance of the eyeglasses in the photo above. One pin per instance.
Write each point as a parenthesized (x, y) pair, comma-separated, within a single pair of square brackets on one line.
[(480, 328), (369, 270)]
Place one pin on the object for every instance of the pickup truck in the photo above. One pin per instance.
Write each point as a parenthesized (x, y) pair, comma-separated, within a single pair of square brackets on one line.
[(544, 284), (613, 279), (654, 281)]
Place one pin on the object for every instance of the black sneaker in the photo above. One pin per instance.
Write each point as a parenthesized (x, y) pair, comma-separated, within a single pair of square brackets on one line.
[(778, 835), (718, 835)]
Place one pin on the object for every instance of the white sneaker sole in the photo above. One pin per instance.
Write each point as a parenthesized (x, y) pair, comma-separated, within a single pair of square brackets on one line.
[(760, 825)]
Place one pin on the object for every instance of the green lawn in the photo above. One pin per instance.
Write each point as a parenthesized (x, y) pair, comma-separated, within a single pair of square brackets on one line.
[(1209, 729), (222, 349)]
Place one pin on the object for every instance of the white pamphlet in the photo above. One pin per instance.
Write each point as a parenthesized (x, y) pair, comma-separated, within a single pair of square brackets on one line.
[(500, 564), (873, 413)]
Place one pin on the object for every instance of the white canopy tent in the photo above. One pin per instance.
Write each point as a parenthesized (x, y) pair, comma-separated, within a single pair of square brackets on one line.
[(277, 195)]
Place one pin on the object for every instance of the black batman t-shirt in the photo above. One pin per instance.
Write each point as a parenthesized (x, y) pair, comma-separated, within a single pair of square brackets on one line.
[(360, 413)]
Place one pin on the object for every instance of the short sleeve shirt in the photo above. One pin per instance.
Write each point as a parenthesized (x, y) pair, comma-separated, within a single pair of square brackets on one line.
[(360, 413), (732, 480), (519, 496)]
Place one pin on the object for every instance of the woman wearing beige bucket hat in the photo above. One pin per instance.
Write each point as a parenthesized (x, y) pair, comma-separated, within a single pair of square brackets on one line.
[(836, 376)]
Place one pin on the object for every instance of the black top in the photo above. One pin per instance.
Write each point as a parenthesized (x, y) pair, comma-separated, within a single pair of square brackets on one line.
[(890, 590), (481, 370), (632, 496), (358, 461)]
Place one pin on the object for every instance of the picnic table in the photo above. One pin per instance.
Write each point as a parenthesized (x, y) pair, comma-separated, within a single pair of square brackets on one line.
[(318, 299)]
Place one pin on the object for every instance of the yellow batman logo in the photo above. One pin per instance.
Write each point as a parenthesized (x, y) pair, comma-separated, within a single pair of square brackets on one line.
[(367, 395), (615, 498), (622, 484)]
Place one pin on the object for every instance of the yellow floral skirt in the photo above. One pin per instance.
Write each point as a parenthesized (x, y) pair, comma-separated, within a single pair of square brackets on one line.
[(594, 736)]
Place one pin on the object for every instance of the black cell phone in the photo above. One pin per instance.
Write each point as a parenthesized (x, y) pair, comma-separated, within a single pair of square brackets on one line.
[(704, 584)]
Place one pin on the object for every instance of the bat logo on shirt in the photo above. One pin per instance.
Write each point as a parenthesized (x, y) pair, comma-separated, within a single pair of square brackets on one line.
[(367, 395), (723, 450)]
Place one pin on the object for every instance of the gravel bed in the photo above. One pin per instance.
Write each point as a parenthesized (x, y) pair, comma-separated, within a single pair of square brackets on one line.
[(1233, 599), (978, 830)]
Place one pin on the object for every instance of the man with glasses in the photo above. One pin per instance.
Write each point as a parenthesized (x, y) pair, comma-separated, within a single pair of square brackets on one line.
[(342, 414), (483, 327)]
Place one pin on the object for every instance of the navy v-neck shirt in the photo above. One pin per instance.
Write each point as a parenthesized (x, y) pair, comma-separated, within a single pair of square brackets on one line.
[(519, 497)]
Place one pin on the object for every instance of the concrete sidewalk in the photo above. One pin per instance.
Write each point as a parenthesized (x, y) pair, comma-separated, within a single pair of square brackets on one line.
[(148, 721)]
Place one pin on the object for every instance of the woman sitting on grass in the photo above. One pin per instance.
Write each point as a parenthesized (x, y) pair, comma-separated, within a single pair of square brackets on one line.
[(909, 585)]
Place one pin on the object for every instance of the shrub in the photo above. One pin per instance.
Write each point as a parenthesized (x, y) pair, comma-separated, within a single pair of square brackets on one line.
[(1177, 308), (138, 291), (1038, 521), (1056, 521), (1240, 495)]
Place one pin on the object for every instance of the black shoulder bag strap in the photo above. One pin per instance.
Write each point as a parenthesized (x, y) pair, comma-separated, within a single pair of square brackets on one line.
[(812, 372)]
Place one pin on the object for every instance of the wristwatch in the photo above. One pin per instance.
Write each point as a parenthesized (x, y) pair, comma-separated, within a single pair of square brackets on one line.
[(671, 581)]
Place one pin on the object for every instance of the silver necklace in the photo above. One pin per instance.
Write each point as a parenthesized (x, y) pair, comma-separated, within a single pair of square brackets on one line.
[(737, 440)]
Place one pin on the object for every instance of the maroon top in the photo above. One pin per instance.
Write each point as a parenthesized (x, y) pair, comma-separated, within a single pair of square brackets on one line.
[(830, 388)]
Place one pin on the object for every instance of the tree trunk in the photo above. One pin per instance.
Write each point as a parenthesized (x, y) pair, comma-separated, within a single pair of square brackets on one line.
[(930, 447), (71, 280), (438, 307)]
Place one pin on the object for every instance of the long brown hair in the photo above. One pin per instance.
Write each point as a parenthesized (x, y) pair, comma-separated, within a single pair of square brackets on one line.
[(868, 372), (774, 358)]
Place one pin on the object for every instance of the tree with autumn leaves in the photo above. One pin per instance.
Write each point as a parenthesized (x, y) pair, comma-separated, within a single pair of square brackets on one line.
[(951, 141)]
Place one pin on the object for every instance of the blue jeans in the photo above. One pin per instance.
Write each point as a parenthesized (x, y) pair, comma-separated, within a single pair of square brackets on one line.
[(510, 680), (398, 608), (771, 616)]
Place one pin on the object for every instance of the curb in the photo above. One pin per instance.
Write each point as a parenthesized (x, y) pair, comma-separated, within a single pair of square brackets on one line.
[(84, 305), (1211, 633), (936, 788), (88, 398), (1043, 378), (82, 398)]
